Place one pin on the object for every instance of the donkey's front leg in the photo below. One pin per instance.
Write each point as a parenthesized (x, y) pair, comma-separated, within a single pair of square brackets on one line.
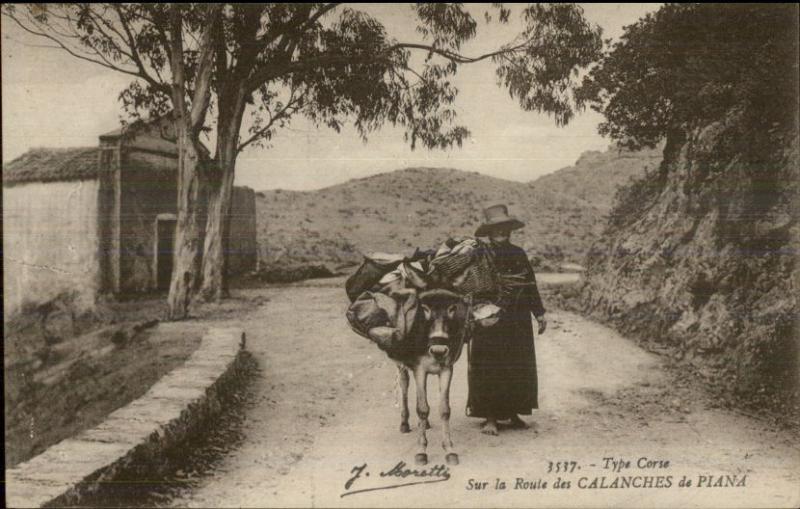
[(423, 410), (404, 381), (445, 377)]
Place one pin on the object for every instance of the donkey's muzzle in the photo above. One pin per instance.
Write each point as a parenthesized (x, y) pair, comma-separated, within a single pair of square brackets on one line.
[(439, 350)]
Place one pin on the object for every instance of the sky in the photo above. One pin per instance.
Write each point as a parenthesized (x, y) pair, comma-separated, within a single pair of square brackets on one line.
[(50, 99)]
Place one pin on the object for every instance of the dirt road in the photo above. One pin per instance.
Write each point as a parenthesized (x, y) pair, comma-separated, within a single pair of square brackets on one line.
[(325, 402)]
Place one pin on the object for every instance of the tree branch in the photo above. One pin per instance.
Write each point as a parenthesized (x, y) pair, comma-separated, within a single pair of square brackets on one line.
[(97, 57), (135, 56), (176, 64), (221, 66), (289, 109), (266, 74), (103, 62), (321, 12), (205, 67), (248, 47), (95, 17), (453, 56)]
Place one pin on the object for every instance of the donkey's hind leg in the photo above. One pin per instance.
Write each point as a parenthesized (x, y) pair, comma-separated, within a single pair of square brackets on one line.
[(404, 378)]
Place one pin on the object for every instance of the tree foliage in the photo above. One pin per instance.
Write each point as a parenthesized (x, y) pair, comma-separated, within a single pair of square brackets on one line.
[(541, 72), (330, 62), (687, 64)]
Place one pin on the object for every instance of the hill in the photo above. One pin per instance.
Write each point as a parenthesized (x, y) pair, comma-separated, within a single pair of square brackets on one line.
[(419, 207), (596, 175)]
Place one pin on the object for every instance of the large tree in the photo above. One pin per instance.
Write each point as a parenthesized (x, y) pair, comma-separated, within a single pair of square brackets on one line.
[(686, 65), (329, 62)]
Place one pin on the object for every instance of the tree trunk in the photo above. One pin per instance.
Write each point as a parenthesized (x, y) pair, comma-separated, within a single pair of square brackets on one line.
[(219, 198), (219, 205), (189, 122), (188, 230)]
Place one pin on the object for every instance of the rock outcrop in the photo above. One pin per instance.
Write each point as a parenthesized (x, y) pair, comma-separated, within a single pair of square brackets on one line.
[(596, 176), (699, 259)]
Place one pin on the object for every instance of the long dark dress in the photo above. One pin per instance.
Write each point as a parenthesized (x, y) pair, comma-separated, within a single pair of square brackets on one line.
[(502, 373)]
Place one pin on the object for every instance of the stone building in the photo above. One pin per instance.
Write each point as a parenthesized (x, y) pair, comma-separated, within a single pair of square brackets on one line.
[(90, 221)]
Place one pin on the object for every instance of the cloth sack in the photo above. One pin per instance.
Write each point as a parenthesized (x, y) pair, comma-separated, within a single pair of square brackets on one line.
[(370, 310), (406, 275), (371, 270), (383, 319)]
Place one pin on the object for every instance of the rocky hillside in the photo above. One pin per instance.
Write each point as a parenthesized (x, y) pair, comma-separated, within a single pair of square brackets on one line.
[(395, 212), (699, 259), (596, 175)]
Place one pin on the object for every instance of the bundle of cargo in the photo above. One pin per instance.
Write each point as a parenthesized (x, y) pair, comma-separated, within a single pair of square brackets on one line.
[(383, 291), (466, 265), (383, 295), (376, 266), (384, 319)]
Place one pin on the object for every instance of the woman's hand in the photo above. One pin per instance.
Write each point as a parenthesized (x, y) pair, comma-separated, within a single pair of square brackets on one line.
[(542, 324)]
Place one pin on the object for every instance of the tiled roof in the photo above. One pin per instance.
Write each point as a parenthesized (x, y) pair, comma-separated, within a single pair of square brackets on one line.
[(50, 165)]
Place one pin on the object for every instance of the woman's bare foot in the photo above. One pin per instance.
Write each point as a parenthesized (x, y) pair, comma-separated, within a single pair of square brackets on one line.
[(517, 423), (489, 427)]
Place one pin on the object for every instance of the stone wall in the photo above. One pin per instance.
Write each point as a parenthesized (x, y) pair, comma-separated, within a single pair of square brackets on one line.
[(242, 246), (136, 441), (50, 244)]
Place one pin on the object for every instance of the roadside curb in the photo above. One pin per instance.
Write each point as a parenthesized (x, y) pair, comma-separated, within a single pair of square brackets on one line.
[(135, 436)]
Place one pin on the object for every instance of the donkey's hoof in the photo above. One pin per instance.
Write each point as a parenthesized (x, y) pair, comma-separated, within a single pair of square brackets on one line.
[(427, 425), (404, 427), (451, 458), (421, 458)]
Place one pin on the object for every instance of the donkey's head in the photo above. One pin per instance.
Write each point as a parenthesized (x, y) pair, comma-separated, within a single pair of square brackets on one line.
[(445, 316)]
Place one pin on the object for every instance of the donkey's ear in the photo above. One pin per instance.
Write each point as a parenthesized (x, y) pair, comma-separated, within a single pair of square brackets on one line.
[(451, 310), (427, 311)]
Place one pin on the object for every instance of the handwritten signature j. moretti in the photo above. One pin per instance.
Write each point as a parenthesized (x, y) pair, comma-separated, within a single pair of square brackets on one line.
[(403, 477)]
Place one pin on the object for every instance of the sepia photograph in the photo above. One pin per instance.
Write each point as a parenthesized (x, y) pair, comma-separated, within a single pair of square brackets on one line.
[(401, 255)]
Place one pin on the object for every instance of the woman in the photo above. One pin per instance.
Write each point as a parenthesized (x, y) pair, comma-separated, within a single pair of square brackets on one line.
[(502, 373)]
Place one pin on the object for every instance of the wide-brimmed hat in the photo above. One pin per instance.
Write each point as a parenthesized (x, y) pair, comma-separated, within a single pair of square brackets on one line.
[(497, 215)]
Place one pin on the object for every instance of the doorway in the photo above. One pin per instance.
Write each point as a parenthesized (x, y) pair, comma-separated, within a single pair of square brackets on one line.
[(165, 248)]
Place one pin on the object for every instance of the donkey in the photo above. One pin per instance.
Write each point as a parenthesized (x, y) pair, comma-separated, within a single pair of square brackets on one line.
[(433, 346)]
